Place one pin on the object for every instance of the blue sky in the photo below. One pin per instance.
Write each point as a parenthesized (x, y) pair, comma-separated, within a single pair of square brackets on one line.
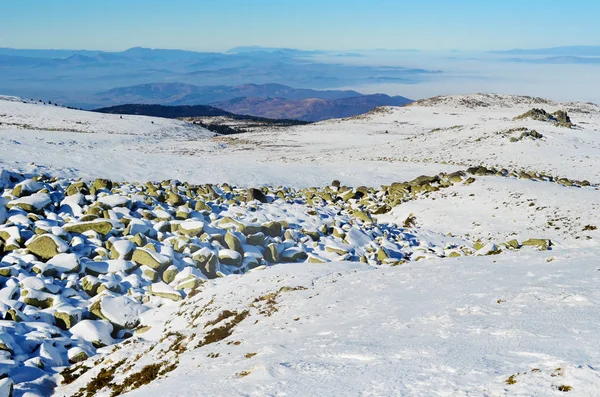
[(310, 24)]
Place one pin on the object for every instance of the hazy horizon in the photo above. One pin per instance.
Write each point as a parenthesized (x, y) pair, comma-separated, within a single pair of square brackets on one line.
[(324, 50), (413, 49)]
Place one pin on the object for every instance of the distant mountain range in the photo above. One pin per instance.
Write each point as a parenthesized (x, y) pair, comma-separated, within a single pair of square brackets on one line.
[(579, 50), (566, 55), (290, 51), (188, 94), (74, 77), (273, 101), (558, 60), (310, 109), (195, 111)]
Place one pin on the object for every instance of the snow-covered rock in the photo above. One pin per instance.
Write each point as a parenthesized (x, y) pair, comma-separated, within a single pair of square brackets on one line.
[(96, 332), (121, 311), (34, 203), (65, 263)]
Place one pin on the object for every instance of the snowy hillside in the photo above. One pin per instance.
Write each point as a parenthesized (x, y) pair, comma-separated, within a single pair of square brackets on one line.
[(460, 131), (443, 327), (455, 255), (424, 138)]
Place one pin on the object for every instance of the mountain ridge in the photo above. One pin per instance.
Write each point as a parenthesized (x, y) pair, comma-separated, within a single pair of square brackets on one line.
[(576, 50), (310, 109), (273, 101), (189, 94), (91, 72), (189, 112)]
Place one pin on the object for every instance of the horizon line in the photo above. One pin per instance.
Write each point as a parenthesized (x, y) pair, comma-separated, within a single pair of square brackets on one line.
[(259, 47)]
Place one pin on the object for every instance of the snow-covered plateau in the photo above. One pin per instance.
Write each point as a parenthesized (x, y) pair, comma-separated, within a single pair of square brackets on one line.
[(446, 248)]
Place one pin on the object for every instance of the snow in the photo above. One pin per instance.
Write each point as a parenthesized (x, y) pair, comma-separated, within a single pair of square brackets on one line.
[(64, 262), (94, 331), (419, 322), (191, 225), (61, 245), (114, 200), (3, 202), (458, 326), (109, 266), (103, 145), (37, 201), (123, 246), (356, 151), (33, 283), (6, 385), (502, 209), (161, 288), (121, 310), (12, 232), (230, 254)]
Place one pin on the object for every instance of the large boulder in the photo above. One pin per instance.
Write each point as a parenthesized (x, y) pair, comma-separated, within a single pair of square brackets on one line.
[(154, 260), (272, 253), (163, 290), (47, 246), (76, 188), (121, 311), (27, 187), (34, 203), (230, 257), (293, 254), (542, 244), (65, 263), (100, 226), (256, 194), (170, 273), (256, 239), (208, 262), (122, 249), (242, 227), (233, 242), (97, 332), (272, 229), (77, 355), (424, 180), (102, 184), (39, 299), (67, 316), (115, 200), (191, 228)]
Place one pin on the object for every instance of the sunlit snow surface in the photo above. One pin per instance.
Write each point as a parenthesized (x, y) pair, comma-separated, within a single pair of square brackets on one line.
[(439, 327), (425, 138)]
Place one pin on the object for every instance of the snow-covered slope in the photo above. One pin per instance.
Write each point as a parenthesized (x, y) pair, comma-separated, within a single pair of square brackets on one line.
[(501, 209), (481, 282), (460, 130), (456, 327), (385, 146), (17, 99)]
